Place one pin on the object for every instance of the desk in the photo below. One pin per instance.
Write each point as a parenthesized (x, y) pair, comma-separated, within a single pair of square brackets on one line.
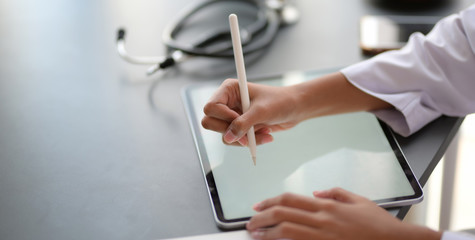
[(91, 148)]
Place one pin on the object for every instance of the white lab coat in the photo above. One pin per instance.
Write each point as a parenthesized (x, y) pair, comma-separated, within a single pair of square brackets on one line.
[(431, 76)]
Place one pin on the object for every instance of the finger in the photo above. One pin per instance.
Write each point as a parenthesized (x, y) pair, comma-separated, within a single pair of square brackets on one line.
[(264, 138), (217, 125), (262, 128), (277, 128), (340, 195), (238, 128), (228, 94), (232, 134), (214, 124), (278, 214), (237, 144), (262, 134), (220, 111), (224, 100), (289, 200), (255, 116), (286, 230), (261, 138)]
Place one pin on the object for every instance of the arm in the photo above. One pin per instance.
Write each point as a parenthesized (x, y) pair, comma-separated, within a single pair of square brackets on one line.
[(333, 94), (279, 108), (432, 75)]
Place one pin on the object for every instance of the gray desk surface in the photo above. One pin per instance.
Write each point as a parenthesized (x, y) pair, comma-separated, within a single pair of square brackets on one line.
[(91, 148)]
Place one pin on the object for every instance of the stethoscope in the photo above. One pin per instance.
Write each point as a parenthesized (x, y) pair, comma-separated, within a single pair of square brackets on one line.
[(271, 14)]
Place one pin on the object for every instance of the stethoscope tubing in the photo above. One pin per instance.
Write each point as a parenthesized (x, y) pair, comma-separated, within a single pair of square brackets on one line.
[(266, 27)]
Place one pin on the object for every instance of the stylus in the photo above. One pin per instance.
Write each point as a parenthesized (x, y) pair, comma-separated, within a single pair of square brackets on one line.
[(241, 75)]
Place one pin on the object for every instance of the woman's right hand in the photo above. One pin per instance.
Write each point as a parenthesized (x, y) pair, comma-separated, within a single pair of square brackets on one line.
[(271, 109), (278, 108)]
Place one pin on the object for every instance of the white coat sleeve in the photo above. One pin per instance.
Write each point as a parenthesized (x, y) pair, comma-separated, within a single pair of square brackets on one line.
[(457, 236), (431, 76)]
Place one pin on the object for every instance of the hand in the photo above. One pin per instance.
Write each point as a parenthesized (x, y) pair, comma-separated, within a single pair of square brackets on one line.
[(272, 109), (279, 108), (332, 214)]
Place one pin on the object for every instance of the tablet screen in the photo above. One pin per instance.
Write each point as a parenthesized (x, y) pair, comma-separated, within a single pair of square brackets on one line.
[(351, 151)]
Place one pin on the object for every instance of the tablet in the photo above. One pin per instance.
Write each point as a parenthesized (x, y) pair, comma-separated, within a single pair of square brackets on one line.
[(353, 151)]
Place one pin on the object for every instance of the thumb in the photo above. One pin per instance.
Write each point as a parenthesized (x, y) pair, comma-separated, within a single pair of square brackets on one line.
[(239, 127), (338, 194)]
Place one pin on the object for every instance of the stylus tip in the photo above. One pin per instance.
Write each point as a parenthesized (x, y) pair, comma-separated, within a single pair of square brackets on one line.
[(254, 160)]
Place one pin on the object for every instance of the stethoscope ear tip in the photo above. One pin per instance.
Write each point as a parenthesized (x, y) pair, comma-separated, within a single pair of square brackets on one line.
[(120, 34)]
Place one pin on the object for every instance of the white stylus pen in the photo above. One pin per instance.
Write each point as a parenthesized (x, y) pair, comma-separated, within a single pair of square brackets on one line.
[(241, 75)]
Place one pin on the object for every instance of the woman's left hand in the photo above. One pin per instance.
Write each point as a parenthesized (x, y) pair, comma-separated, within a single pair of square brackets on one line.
[(332, 214)]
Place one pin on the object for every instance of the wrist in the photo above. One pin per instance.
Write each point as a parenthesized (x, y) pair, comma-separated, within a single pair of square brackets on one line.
[(302, 102), (319, 97)]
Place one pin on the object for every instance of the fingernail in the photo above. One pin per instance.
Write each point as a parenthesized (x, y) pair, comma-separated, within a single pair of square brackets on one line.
[(229, 136), (242, 141), (319, 193), (267, 140), (257, 207), (258, 234), (266, 130)]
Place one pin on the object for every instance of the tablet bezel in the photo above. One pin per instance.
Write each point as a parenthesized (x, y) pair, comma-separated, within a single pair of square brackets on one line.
[(236, 223)]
